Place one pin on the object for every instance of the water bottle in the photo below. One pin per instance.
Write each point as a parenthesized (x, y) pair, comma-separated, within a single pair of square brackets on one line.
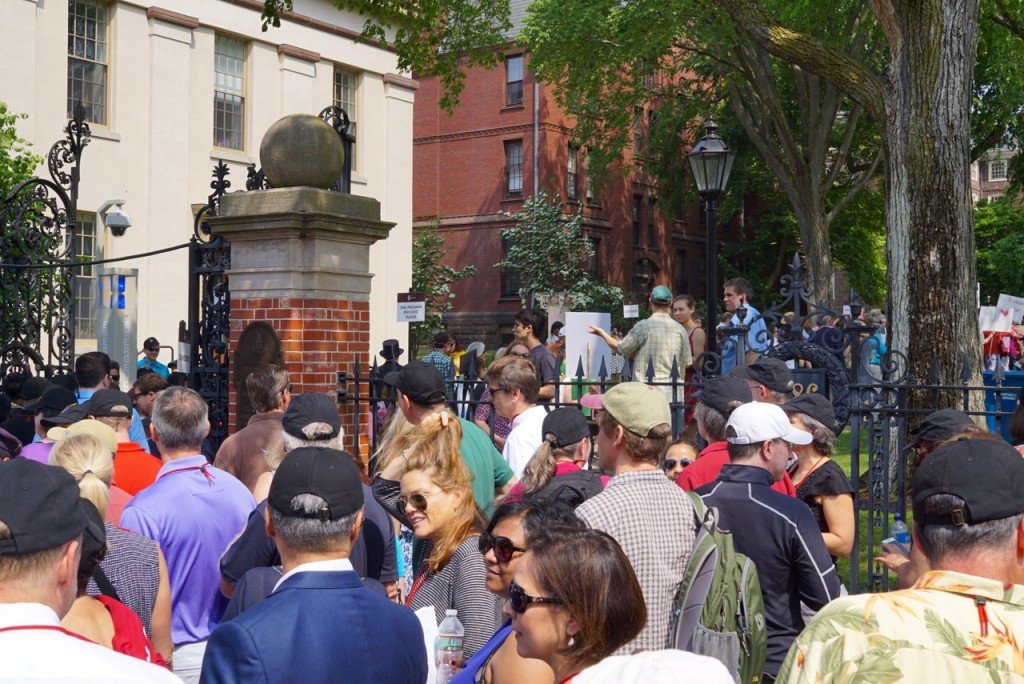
[(448, 646), (900, 532)]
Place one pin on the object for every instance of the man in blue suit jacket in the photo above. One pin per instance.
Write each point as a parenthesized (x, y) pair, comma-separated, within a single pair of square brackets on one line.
[(320, 624)]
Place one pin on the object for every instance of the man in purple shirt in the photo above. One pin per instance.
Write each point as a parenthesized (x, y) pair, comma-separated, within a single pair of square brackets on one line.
[(193, 511)]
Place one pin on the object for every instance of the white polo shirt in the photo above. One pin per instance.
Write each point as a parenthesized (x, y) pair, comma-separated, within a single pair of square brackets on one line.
[(525, 437), (33, 647)]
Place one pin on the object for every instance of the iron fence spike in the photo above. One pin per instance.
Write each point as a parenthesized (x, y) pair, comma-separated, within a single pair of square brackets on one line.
[(965, 369), (934, 375), (602, 372), (650, 370), (997, 374), (579, 369), (674, 374)]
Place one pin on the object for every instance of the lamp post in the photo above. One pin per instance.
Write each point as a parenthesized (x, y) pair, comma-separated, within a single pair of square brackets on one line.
[(711, 161)]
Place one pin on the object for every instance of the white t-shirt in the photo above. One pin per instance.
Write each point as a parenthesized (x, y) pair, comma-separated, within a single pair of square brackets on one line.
[(50, 655), (655, 667), (524, 438)]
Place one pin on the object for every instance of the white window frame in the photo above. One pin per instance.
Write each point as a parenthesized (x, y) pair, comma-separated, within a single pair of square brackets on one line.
[(997, 164), (351, 107), (223, 88), (89, 45), (87, 248)]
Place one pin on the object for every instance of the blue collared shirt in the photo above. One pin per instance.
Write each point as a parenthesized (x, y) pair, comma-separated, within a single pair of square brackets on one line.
[(193, 516), (154, 366), (757, 338)]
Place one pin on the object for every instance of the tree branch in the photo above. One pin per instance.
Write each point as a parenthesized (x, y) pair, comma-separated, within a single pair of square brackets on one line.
[(858, 186), (844, 146)]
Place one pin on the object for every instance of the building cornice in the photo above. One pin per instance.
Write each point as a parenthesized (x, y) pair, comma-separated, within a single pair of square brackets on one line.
[(298, 53), (303, 20), (401, 81), (176, 18), (490, 132)]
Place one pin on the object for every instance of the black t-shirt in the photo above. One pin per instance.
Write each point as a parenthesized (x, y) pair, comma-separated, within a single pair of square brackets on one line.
[(828, 479), (544, 360)]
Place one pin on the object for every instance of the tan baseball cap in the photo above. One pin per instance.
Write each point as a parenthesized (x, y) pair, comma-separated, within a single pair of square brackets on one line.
[(90, 426), (637, 407)]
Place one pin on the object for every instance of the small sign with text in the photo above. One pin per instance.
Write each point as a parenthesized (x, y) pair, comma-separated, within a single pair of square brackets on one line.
[(412, 307)]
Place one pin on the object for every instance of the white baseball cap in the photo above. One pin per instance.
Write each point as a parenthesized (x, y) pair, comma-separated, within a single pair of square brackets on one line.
[(759, 421)]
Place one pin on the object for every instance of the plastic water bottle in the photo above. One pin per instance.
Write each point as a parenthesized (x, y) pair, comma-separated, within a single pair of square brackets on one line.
[(899, 531), (448, 646)]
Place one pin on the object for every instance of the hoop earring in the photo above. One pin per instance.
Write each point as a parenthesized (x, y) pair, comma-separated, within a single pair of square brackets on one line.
[(572, 642)]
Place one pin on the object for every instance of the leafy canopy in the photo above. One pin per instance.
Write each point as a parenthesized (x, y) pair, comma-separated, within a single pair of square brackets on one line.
[(434, 279)]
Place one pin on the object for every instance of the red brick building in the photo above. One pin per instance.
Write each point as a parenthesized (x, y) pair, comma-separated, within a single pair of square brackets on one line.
[(507, 140)]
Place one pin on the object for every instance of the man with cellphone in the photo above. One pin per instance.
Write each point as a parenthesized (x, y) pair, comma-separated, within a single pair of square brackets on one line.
[(737, 293)]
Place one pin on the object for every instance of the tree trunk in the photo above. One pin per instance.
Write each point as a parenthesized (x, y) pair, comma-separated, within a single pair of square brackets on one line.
[(817, 243), (930, 247)]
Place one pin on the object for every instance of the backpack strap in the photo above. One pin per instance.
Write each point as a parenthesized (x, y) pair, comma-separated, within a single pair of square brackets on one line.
[(106, 588), (700, 571)]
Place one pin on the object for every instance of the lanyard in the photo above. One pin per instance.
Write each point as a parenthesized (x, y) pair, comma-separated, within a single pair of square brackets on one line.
[(201, 468), (420, 579), (51, 628)]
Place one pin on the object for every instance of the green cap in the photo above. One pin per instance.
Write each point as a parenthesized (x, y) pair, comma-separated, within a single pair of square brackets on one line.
[(637, 407), (661, 295)]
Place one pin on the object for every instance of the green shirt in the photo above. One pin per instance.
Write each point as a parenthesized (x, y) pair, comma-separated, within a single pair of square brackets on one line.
[(488, 468)]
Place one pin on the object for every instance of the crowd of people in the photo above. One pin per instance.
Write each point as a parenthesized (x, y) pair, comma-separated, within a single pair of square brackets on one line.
[(562, 537)]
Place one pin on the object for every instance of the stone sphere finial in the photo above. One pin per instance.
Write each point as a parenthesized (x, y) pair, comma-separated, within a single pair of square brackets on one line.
[(301, 150)]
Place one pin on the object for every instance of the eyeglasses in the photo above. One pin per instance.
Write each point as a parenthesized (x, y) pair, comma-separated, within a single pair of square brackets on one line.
[(115, 378), (503, 547), (520, 600), (417, 501), (670, 463), (495, 390)]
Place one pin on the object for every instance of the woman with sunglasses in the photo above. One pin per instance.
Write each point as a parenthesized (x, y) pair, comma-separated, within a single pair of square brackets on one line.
[(560, 603), (435, 501), (564, 452), (502, 544)]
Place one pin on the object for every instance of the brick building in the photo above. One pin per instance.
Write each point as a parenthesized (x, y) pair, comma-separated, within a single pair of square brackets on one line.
[(507, 140), (990, 175)]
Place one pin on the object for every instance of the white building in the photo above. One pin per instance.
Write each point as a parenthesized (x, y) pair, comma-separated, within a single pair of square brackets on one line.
[(173, 86)]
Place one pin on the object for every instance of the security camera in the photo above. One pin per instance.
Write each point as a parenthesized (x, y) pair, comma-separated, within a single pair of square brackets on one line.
[(117, 221)]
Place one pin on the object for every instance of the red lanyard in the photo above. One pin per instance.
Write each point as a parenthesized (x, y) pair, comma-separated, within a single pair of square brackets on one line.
[(420, 579), (51, 628), (201, 468)]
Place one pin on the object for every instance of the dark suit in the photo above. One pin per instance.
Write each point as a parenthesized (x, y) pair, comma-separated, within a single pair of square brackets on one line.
[(319, 627)]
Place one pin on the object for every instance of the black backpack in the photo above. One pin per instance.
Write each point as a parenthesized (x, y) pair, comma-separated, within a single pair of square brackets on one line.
[(572, 488)]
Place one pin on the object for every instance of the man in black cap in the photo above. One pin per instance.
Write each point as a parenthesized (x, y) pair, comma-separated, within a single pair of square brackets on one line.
[(20, 422), (770, 380), (937, 427), (420, 393), (150, 352), (718, 398), (41, 526), (962, 621), (314, 516), (51, 404)]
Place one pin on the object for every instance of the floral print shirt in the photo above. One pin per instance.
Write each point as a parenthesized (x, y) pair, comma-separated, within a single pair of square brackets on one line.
[(949, 627)]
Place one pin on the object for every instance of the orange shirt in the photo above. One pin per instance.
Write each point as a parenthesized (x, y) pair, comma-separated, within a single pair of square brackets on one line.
[(134, 469)]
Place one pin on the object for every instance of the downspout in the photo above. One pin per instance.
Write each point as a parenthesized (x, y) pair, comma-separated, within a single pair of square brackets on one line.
[(536, 137)]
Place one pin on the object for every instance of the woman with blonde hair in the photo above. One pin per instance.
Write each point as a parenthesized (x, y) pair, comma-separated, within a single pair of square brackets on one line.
[(133, 570), (560, 465), (426, 485)]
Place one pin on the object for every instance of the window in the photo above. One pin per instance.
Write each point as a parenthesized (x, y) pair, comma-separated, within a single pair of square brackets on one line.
[(679, 271), (509, 276), (589, 182), (514, 167), (637, 212), (997, 170), (594, 262), (572, 173), (652, 240), (229, 93), (87, 59), (85, 280), (345, 89), (514, 80)]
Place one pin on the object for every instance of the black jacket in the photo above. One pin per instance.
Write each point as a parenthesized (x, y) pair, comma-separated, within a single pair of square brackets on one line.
[(780, 535)]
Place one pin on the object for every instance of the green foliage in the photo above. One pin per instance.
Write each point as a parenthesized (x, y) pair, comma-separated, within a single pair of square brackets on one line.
[(999, 240), (17, 163), (550, 252), (432, 37), (858, 245), (433, 279)]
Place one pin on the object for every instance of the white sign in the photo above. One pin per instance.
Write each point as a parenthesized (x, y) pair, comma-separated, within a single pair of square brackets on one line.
[(630, 310), (1010, 302), (184, 357), (994, 318), (846, 311), (412, 307), (586, 348)]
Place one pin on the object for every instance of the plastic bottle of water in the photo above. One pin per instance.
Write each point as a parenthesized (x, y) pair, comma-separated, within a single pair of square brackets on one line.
[(899, 531), (448, 646)]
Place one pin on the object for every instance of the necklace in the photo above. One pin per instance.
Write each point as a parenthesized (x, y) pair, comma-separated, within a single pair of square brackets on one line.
[(796, 485)]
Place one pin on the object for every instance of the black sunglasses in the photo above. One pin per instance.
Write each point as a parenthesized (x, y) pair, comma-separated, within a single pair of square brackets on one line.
[(670, 463), (417, 501), (503, 547), (520, 600)]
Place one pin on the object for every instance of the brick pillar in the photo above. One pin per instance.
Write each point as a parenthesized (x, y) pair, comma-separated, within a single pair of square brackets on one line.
[(300, 262)]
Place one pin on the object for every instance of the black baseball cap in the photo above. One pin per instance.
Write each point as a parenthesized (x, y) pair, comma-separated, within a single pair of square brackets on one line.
[(723, 390), (34, 388), (939, 426), (564, 426), (151, 343), (815, 405), (772, 373), (308, 408), (328, 473), (988, 474), (71, 414), (52, 402), (109, 403), (10, 446), (421, 382), (40, 505)]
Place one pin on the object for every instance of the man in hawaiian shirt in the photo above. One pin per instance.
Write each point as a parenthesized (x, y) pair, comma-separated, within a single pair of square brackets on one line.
[(961, 622)]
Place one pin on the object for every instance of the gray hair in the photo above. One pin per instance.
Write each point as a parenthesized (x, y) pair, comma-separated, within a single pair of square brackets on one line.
[(312, 535), (181, 418), (940, 541), (822, 439), (275, 455), (266, 386), (711, 421)]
